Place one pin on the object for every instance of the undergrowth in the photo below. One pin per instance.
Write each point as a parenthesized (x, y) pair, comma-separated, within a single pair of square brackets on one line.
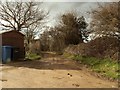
[(106, 67), (33, 56)]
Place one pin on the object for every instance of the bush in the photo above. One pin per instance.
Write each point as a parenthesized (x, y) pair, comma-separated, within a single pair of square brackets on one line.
[(105, 67), (33, 56), (68, 55), (102, 47)]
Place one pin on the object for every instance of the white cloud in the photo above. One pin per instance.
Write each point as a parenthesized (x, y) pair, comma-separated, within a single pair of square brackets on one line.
[(62, 0), (58, 8)]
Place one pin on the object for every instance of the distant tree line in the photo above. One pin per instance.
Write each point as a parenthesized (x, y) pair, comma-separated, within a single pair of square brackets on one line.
[(106, 34), (70, 30)]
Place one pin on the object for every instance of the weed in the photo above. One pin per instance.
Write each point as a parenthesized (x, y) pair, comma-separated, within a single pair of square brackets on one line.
[(105, 67), (33, 56)]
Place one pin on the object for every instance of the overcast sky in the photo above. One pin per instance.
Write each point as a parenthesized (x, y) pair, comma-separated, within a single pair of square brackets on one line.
[(58, 8), (63, 6)]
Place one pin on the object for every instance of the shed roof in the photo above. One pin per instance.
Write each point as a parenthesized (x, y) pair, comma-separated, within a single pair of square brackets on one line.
[(5, 31)]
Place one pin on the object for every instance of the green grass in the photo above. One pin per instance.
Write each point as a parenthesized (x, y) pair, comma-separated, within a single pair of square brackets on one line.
[(67, 55), (33, 56), (106, 67)]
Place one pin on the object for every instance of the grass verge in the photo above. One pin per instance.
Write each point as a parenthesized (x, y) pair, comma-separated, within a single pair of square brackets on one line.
[(105, 67), (33, 56)]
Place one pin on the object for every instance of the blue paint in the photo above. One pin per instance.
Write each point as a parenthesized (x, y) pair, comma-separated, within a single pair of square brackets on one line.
[(6, 54)]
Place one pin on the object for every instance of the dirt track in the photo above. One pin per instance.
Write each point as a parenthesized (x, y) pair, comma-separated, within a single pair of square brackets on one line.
[(54, 72)]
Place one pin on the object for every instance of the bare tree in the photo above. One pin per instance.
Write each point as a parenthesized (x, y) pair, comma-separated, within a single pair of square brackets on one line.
[(30, 34), (70, 30), (106, 23), (18, 15), (22, 16), (57, 38), (45, 41), (105, 20)]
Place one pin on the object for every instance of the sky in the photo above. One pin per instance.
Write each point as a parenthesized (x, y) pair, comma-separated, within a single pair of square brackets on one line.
[(56, 9), (63, 0), (59, 7)]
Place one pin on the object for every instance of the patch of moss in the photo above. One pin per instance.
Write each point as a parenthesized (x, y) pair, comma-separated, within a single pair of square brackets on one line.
[(33, 56), (68, 55)]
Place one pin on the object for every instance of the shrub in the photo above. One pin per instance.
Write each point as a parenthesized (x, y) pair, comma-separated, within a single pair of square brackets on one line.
[(102, 47), (33, 56)]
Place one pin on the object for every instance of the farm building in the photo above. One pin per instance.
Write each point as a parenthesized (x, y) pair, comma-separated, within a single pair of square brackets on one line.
[(12, 43)]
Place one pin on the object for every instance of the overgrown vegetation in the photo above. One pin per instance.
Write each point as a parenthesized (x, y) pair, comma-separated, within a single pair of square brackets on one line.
[(106, 67), (32, 56), (105, 20), (23, 16), (70, 30), (102, 47)]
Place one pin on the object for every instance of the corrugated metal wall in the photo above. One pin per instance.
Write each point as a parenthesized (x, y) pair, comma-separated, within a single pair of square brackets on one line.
[(15, 39)]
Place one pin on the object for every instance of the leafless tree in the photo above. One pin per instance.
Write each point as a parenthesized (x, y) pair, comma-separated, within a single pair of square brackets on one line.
[(70, 30), (105, 20), (19, 15), (22, 16)]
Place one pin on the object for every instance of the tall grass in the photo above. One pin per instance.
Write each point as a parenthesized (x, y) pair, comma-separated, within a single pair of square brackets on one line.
[(106, 67)]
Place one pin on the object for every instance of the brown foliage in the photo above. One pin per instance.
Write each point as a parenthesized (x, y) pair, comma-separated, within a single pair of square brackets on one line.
[(71, 30), (103, 47), (105, 20), (74, 28)]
